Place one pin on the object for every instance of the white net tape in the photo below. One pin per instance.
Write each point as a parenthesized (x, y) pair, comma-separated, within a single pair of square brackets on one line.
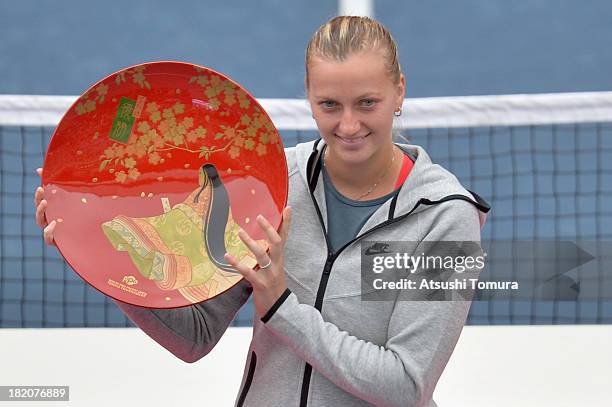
[(295, 114)]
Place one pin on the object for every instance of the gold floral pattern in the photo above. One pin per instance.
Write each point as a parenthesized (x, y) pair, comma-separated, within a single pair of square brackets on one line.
[(87, 103), (138, 77), (161, 129)]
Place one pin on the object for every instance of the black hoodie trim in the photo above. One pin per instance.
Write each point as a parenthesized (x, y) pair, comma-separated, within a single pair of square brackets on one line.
[(276, 306), (248, 381), (392, 206), (479, 203), (313, 167)]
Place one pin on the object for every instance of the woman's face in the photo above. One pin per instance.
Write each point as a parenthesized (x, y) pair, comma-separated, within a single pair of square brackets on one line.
[(353, 102)]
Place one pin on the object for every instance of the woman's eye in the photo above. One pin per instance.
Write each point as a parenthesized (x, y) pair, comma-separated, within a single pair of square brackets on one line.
[(368, 102), (328, 104)]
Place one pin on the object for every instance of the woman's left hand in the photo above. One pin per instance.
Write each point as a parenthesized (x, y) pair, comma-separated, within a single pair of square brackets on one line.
[(268, 280)]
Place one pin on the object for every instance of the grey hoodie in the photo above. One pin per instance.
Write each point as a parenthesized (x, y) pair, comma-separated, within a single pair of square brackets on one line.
[(320, 344)]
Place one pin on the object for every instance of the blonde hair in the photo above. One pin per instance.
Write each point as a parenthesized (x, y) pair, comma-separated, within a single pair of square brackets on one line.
[(345, 35)]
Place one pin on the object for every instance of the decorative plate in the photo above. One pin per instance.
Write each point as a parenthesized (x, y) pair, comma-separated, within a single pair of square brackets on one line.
[(151, 173)]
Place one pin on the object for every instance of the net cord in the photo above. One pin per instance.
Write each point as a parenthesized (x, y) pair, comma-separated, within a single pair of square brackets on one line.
[(418, 113)]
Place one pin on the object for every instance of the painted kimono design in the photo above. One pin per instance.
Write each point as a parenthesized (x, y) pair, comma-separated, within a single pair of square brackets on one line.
[(183, 248)]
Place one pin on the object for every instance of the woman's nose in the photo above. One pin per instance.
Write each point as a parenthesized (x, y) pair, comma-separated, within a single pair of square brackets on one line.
[(349, 123)]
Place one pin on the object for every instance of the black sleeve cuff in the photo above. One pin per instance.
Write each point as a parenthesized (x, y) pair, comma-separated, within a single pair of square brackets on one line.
[(275, 306)]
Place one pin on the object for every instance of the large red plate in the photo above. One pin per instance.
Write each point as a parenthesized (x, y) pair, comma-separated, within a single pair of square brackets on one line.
[(150, 174)]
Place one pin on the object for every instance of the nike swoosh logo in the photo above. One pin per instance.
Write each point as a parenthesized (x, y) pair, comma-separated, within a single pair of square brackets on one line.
[(377, 248)]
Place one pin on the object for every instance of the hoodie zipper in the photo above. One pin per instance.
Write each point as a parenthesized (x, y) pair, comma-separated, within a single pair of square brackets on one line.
[(329, 262)]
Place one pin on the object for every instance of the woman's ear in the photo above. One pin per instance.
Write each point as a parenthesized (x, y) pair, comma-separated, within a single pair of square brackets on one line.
[(402, 89)]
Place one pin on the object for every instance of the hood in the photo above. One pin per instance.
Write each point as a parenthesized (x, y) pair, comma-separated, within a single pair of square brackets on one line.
[(428, 184)]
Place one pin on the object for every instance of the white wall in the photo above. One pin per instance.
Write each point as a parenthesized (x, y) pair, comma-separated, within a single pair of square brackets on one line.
[(492, 366)]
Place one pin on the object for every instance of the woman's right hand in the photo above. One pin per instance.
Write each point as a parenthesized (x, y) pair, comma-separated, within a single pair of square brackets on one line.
[(41, 219)]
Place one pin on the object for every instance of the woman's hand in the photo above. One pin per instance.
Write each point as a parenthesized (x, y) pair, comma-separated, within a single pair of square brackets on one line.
[(268, 280), (41, 220)]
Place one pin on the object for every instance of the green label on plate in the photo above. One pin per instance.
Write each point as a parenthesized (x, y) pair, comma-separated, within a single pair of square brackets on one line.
[(124, 120)]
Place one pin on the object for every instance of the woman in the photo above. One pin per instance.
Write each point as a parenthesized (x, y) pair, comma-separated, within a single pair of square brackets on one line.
[(315, 342)]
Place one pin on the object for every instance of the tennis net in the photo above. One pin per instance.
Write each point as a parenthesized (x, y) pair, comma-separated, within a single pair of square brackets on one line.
[(544, 162)]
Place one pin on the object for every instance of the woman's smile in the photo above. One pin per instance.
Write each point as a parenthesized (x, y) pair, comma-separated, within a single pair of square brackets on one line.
[(353, 141)]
